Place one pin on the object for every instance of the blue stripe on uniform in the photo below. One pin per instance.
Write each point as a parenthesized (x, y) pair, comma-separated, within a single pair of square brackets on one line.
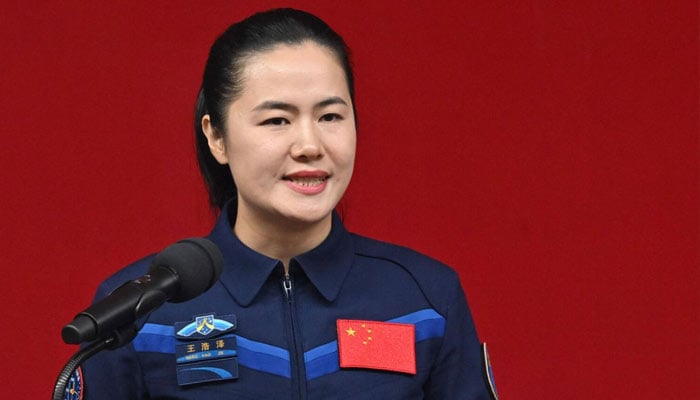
[(263, 357), (320, 361), (429, 324), (155, 338)]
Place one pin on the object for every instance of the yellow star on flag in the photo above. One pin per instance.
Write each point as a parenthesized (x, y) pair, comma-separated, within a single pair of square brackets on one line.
[(350, 331)]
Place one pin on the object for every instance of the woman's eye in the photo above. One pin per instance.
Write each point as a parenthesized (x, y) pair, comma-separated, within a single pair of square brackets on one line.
[(331, 117), (275, 121)]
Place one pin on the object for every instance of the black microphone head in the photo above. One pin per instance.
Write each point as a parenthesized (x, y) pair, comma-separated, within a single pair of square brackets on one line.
[(196, 261)]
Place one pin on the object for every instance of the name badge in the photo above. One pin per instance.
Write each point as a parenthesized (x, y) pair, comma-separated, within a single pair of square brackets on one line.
[(206, 350)]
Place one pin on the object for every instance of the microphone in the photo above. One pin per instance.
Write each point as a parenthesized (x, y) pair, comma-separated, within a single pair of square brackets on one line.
[(182, 271)]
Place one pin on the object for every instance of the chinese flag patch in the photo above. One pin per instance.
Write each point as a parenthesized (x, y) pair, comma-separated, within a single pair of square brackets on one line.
[(377, 345)]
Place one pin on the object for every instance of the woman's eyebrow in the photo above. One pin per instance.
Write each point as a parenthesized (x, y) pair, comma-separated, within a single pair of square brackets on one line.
[(281, 105), (275, 105), (330, 101)]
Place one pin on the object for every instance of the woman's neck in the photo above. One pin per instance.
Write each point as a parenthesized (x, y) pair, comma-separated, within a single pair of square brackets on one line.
[(280, 238)]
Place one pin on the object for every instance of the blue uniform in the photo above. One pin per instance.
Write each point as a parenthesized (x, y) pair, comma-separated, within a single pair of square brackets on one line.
[(258, 334)]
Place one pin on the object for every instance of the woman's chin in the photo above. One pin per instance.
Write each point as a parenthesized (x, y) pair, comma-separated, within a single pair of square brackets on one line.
[(306, 215)]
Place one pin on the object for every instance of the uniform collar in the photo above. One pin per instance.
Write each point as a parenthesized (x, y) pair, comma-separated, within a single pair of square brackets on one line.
[(245, 270)]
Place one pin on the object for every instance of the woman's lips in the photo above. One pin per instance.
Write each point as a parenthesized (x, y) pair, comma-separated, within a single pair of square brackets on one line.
[(307, 182)]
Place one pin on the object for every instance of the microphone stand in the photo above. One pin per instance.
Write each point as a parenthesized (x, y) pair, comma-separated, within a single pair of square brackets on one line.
[(118, 338)]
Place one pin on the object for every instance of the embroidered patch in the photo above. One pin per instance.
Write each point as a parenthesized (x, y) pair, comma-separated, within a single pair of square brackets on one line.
[(488, 372), (218, 369), (376, 345), (204, 352), (74, 389), (205, 326)]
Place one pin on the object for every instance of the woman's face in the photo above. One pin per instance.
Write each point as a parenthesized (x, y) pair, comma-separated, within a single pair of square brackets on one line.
[(290, 135)]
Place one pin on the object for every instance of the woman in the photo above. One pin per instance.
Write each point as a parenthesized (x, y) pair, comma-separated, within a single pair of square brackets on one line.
[(303, 309)]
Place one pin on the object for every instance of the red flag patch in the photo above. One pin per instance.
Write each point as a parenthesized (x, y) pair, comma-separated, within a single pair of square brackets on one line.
[(377, 345)]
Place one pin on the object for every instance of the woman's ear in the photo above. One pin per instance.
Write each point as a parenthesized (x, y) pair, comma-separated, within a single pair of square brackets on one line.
[(215, 139)]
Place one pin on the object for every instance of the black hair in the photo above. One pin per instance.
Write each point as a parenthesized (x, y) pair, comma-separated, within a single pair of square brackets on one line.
[(221, 83)]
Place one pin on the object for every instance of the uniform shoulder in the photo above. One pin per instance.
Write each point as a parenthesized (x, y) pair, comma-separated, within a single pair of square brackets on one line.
[(439, 282), (399, 254)]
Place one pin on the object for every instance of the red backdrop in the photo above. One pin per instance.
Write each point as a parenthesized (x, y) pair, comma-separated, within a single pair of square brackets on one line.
[(547, 150)]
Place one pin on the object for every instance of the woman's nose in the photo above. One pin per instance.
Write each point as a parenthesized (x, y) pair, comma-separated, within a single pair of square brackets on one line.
[(307, 144)]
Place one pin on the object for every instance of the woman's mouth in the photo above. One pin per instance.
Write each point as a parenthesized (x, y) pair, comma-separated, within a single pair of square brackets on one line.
[(307, 182)]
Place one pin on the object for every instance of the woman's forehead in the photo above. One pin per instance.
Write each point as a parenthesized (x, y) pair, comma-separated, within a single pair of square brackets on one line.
[(286, 70), (303, 54)]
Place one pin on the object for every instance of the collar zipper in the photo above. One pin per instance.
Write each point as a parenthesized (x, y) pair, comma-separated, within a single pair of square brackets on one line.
[(295, 350), (287, 287)]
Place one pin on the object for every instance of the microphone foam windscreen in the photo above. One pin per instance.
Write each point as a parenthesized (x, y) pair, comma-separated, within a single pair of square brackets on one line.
[(196, 261)]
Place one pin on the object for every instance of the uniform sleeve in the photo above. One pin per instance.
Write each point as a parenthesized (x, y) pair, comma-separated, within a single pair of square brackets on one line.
[(113, 374), (458, 370)]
